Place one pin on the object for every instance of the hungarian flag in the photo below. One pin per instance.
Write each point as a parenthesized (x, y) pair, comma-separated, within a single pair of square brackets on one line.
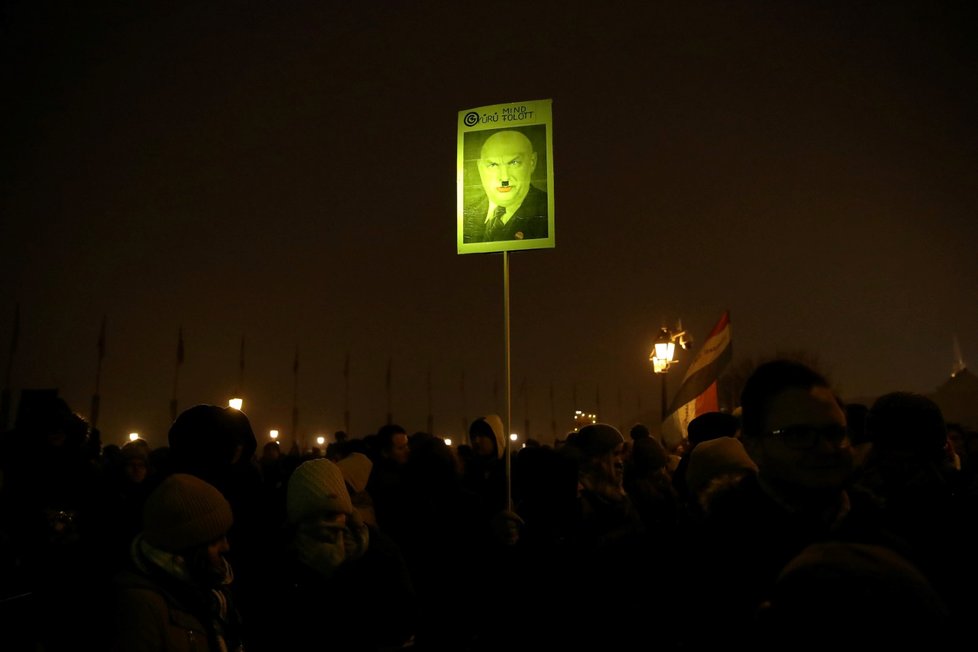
[(698, 392)]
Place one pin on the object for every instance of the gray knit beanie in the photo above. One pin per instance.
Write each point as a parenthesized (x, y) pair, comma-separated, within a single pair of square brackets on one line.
[(597, 439), (183, 512)]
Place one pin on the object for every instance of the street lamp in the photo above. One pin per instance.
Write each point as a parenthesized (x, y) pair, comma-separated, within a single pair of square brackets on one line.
[(663, 357)]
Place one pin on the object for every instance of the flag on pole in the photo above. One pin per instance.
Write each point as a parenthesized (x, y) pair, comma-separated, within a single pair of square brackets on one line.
[(698, 392)]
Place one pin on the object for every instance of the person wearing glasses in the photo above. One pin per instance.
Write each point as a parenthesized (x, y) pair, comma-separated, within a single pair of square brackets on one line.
[(794, 430)]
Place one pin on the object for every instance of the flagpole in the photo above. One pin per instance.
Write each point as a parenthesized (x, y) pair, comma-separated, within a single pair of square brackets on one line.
[(5, 395), (431, 415), (665, 400), (387, 381), (176, 374), (346, 393), (465, 419), (553, 413), (93, 419), (295, 400), (241, 368), (509, 488)]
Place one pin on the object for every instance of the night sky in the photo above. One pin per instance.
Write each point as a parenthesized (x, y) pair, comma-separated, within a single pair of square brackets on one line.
[(286, 175)]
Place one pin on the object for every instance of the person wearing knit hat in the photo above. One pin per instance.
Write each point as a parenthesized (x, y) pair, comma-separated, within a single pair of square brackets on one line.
[(329, 563), (135, 460), (611, 547), (607, 510), (602, 450), (711, 425), (908, 469), (217, 444), (205, 439), (649, 484), (356, 468), (328, 530), (716, 460), (177, 590)]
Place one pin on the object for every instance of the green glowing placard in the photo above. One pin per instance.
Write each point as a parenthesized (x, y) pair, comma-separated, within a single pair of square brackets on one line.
[(505, 178)]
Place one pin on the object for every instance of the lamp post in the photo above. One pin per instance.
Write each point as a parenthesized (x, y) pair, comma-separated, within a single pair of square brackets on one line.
[(663, 357)]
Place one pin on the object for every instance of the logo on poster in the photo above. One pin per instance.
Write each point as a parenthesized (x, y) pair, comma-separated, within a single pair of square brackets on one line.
[(471, 119)]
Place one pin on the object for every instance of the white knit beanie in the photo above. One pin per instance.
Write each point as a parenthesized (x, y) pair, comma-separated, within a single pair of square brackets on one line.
[(715, 457), (356, 469), (183, 512), (316, 486)]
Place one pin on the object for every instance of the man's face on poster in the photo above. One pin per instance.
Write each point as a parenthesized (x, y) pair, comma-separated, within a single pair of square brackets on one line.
[(506, 165)]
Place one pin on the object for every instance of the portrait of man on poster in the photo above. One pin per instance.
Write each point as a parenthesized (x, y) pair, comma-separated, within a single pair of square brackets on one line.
[(506, 204)]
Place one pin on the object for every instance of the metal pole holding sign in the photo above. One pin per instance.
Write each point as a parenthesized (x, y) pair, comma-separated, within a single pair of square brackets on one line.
[(509, 404), (505, 199)]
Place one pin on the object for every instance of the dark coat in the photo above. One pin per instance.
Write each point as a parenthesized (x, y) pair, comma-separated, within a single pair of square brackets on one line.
[(154, 615), (530, 221)]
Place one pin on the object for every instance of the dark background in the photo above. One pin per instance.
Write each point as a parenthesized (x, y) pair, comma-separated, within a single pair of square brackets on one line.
[(285, 172)]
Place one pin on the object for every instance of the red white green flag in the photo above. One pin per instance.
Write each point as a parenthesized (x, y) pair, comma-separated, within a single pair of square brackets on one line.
[(698, 392)]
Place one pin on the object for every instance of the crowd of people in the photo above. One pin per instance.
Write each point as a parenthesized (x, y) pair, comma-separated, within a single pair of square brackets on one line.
[(796, 522)]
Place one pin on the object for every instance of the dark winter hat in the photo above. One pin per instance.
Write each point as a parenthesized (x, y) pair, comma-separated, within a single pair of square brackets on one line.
[(209, 436), (136, 449), (648, 455), (597, 439), (711, 425), (904, 421), (639, 431), (183, 512)]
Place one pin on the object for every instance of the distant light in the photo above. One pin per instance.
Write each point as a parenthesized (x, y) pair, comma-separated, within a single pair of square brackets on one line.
[(273, 434), (235, 403), (514, 436), (320, 440), (133, 436)]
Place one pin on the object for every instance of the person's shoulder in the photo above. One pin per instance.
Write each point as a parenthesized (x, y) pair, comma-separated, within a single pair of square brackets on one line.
[(536, 200)]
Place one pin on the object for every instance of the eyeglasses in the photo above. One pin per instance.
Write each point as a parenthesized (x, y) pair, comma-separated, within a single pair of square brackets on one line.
[(802, 437)]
